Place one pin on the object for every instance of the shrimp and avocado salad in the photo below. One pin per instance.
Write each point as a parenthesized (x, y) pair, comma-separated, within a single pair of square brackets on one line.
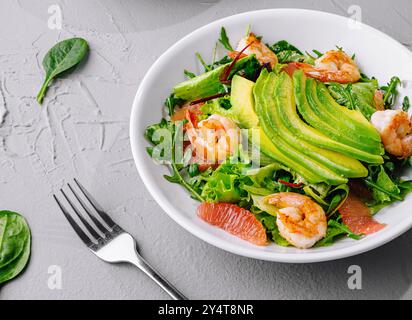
[(284, 146)]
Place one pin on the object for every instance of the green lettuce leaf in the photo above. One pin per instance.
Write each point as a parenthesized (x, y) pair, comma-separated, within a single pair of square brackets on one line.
[(269, 223)]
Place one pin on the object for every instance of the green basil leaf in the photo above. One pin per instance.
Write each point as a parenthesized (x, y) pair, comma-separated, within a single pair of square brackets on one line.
[(63, 56), (14, 245)]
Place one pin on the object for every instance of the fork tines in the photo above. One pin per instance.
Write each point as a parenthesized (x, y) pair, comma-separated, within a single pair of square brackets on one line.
[(98, 230)]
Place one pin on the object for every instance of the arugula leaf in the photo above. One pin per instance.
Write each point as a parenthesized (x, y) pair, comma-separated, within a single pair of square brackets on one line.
[(63, 56), (224, 40), (336, 197), (189, 74), (357, 96), (335, 231), (405, 104), (317, 52), (167, 138), (193, 169), (171, 103), (383, 187), (224, 60), (385, 183), (286, 52), (386, 187), (405, 188), (160, 135), (176, 177), (391, 91), (284, 45), (251, 69), (204, 64), (329, 198)]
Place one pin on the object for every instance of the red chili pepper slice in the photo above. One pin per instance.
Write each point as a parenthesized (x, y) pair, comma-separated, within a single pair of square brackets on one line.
[(290, 184)]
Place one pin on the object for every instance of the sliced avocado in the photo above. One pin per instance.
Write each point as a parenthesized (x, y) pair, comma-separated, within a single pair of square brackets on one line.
[(267, 142), (338, 116), (282, 96), (308, 109), (299, 133), (206, 84), (349, 116), (242, 102), (243, 112), (331, 123), (342, 142), (268, 148), (265, 109), (362, 97)]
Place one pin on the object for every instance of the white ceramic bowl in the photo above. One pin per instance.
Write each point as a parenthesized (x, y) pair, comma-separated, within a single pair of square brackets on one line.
[(376, 53)]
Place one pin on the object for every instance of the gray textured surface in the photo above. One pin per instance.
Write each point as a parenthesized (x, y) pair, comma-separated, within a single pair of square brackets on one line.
[(82, 130)]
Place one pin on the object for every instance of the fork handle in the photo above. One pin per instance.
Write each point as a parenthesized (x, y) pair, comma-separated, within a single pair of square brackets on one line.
[(143, 265)]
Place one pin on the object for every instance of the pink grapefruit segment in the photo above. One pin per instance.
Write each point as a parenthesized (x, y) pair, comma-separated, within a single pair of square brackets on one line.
[(235, 220), (357, 216)]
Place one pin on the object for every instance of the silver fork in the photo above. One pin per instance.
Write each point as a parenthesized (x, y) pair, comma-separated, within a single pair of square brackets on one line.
[(108, 240)]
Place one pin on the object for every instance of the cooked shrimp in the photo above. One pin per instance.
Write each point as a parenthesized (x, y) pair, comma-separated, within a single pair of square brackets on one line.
[(213, 139), (301, 221), (333, 66), (395, 129), (180, 113), (262, 53), (378, 99)]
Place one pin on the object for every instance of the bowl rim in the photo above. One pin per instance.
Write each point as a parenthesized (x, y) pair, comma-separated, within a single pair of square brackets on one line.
[(140, 156)]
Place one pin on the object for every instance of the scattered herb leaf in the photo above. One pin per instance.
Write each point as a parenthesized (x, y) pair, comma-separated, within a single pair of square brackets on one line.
[(15, 242), (63, 56)]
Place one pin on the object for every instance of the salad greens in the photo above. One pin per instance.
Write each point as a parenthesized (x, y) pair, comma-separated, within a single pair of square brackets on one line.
[(171, 104), (249, 93), (336, 229), (386, 186), (15, 241), (286, 52), (391, 91), (358, 96), (224, 40), (165, 137), (64, 56), (405, 104)]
